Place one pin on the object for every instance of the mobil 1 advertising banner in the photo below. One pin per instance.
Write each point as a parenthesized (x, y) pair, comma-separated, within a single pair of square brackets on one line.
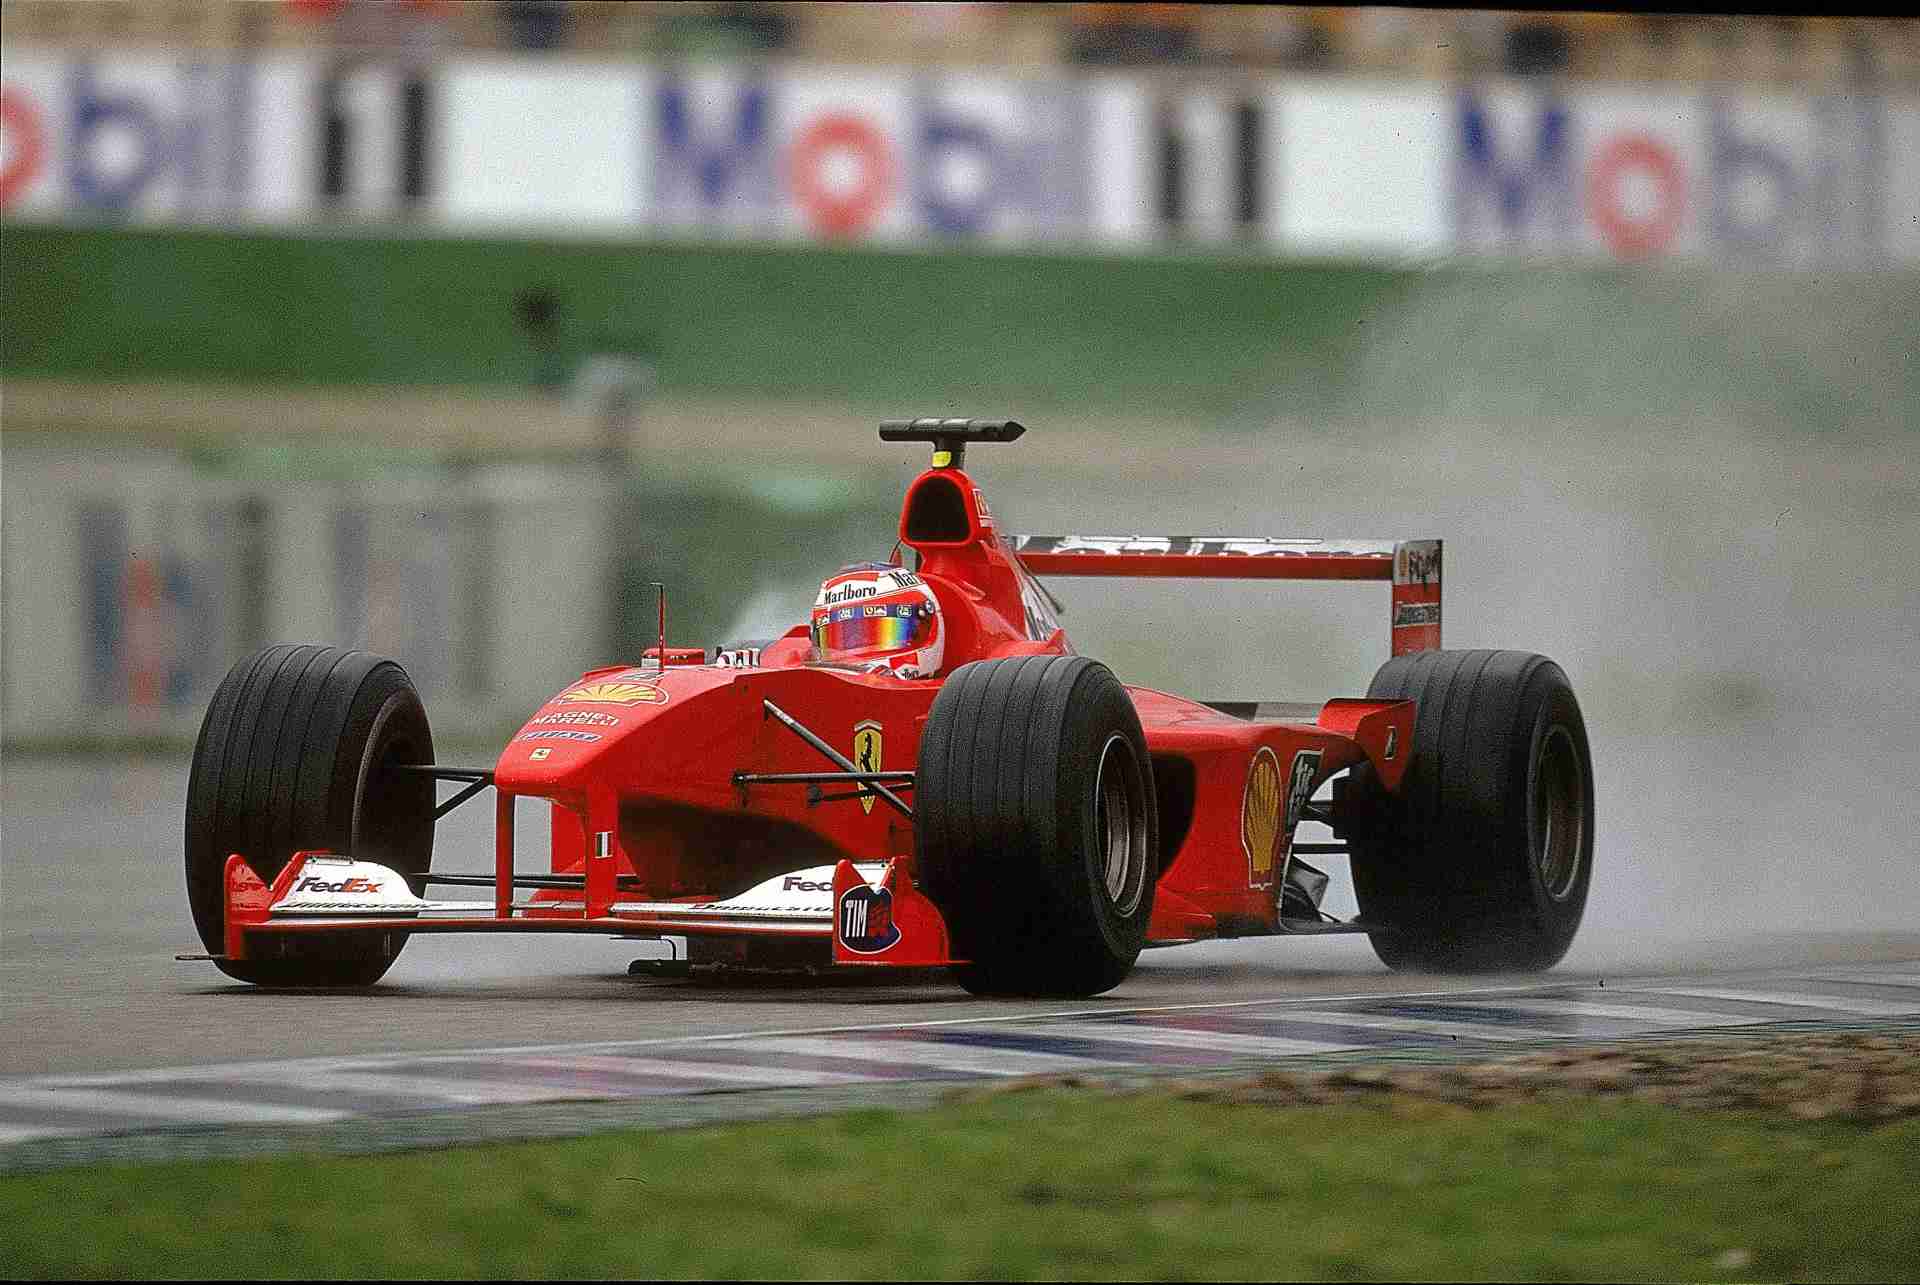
[(1373, 169), (849, 154), (814, 153), (1633, 173), (142, 137), (172, 137)]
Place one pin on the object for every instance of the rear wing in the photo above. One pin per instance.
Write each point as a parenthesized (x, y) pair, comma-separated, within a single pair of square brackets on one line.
[(1413, 567)]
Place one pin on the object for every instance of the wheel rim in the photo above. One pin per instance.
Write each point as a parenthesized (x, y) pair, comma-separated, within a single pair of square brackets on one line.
[(1120, 823), (1560, 815)]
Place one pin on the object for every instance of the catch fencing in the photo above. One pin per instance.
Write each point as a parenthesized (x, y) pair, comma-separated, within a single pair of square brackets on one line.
[(134, 580)]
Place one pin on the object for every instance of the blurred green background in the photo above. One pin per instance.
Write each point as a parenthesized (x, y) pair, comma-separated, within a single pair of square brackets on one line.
[(1229, 342)]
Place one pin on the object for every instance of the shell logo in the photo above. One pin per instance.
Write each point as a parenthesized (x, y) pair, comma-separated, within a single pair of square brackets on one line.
[(614, 694), (1260, 819)]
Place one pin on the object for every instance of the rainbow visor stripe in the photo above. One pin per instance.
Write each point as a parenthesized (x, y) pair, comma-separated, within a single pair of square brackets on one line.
[(870, 627)]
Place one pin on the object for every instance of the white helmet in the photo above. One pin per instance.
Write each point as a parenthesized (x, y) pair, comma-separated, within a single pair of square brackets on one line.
[(880, 618)]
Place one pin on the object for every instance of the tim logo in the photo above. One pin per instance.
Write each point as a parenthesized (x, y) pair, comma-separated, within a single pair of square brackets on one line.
[(866, 920)]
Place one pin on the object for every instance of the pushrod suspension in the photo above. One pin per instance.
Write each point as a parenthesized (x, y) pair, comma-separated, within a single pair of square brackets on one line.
[(819, 778), (460, 798), (446, 773), (793, 725), (477, 778)]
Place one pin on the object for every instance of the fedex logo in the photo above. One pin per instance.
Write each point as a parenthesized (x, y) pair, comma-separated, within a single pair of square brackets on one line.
[(138, 136), (355, 884), (853, 155), (1641, 174)]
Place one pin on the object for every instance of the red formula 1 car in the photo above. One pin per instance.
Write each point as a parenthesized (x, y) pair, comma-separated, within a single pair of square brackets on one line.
[(924, 774)]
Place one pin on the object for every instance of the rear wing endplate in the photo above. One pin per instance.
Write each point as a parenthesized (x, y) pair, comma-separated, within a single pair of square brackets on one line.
[(1412, 566)]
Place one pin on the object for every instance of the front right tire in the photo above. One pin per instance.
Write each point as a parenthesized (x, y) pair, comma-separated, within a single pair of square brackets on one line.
[(297, 751)]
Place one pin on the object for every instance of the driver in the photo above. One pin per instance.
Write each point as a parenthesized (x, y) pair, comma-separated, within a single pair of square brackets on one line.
[(880, 618)]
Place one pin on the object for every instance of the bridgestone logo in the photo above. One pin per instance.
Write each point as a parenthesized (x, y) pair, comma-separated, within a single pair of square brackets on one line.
[(1416, 613)]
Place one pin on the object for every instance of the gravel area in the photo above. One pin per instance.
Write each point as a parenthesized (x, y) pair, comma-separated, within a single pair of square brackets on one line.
[(1868, 1077)]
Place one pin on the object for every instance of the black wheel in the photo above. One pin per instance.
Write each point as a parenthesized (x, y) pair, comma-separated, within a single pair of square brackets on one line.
[(1483, 860), (1034, 822), (297, 751)]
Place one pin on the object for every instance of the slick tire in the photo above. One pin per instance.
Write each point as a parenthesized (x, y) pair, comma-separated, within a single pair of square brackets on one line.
[(1482, 862), (296, 752), (1035, 827)]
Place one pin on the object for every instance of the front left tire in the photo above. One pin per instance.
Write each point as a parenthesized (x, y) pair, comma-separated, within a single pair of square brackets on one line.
[(1035, 825)]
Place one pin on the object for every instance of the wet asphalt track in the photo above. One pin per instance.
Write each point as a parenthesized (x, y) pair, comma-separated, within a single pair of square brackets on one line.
[(92, 911), (1751, 711)]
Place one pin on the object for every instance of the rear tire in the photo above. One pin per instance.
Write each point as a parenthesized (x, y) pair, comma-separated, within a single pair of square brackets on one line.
[(296, 752), (1482, 861), (1035, 827)]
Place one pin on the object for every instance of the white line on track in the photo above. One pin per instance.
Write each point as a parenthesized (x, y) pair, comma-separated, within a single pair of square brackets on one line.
[(35, 1133), (1424, 1025), (1201, 1041), (428, 1090), (940, 1057), (159, 1107), (1674, 1018), (1895, 981), (1798, 999), (640, 1068)]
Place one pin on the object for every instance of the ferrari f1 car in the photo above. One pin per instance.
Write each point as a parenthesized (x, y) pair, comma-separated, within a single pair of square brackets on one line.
[(924, 774)]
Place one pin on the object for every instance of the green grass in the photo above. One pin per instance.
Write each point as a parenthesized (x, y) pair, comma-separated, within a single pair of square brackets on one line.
[(1235, 342), (1049, 1184), (924, 331)]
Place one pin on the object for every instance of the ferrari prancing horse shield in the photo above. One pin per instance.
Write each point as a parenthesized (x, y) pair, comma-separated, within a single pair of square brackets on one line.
[(866, 755)]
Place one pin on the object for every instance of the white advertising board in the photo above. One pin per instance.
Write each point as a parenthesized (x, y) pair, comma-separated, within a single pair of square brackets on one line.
[(1359, 165), (1320, 166), (538, 145)]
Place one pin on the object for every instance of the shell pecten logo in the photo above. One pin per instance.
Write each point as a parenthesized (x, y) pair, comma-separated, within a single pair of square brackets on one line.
[(1260, 819), (614, 694)]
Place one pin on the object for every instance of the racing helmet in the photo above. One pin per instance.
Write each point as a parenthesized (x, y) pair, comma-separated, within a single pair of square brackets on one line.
[(880, 618)]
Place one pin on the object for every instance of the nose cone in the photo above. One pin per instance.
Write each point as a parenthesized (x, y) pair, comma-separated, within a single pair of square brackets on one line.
[(584, 720)]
